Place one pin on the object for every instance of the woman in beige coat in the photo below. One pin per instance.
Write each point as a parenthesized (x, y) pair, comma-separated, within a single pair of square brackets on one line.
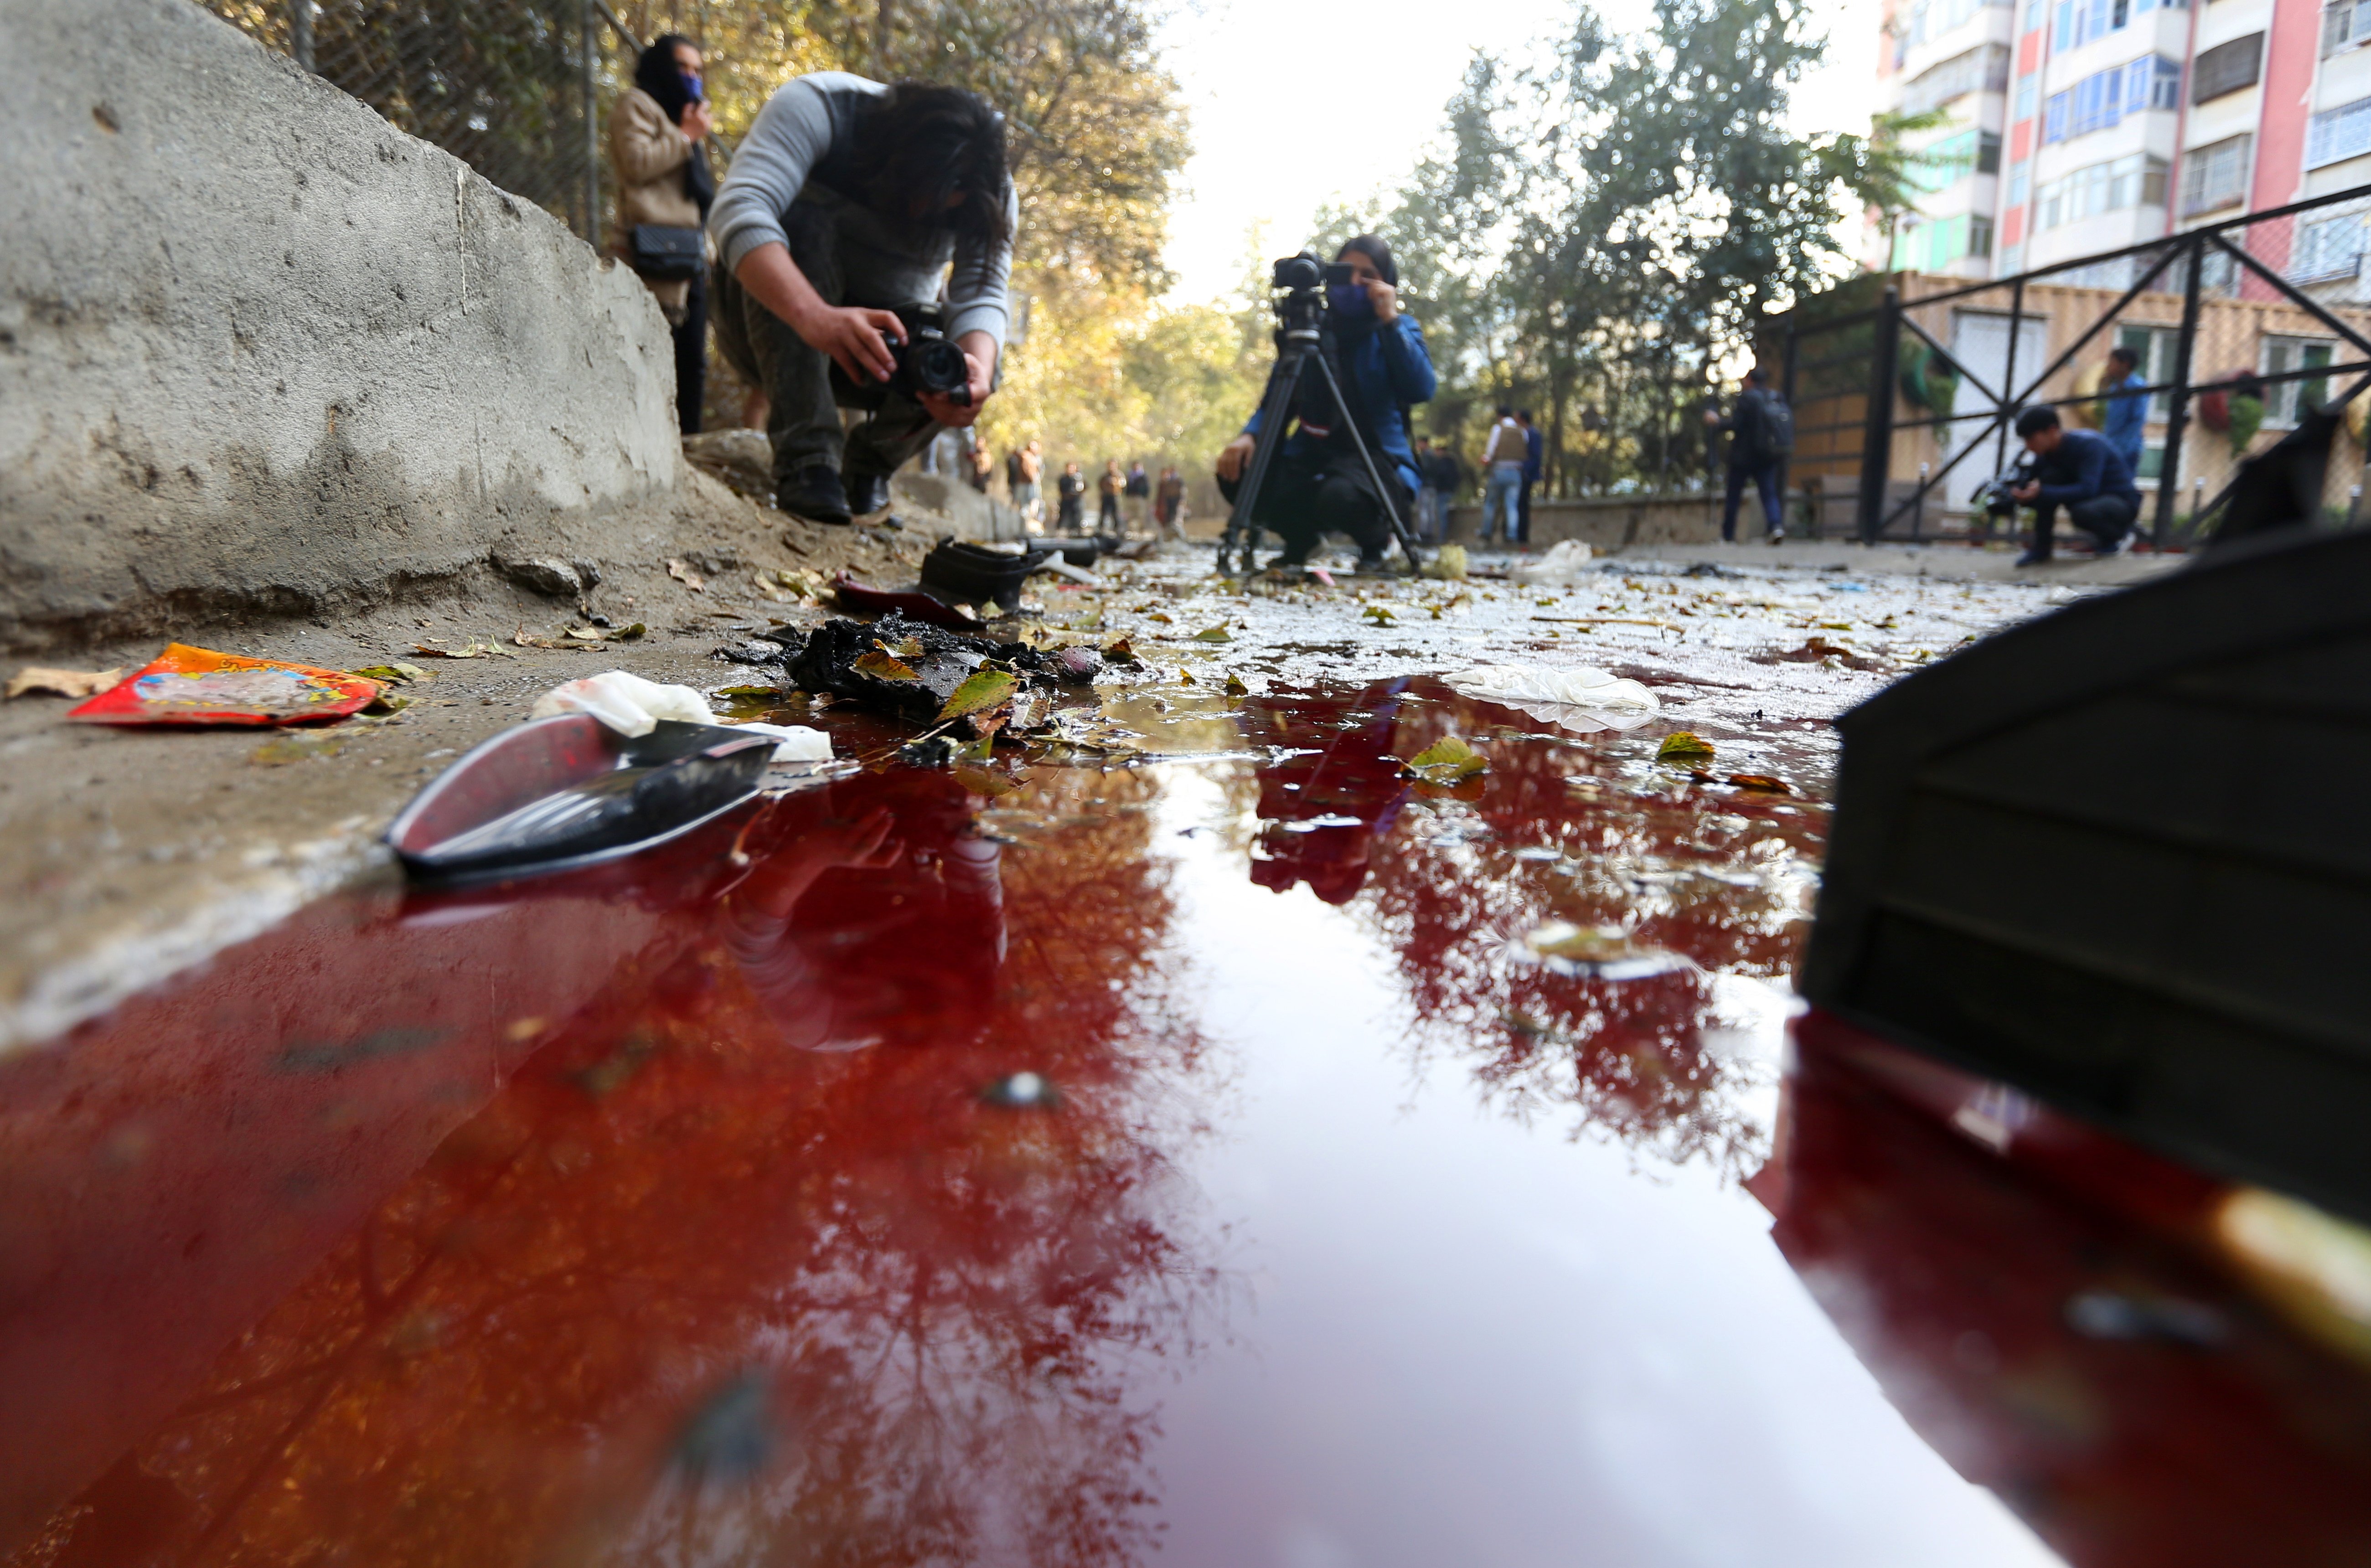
[(664, 183)]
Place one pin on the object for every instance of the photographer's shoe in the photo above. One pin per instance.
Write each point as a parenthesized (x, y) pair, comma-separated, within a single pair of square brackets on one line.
[(816, 495), (2033, 557), (867, 493)]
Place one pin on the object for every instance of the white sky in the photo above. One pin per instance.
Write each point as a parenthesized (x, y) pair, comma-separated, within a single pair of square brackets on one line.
[(1296, 102)]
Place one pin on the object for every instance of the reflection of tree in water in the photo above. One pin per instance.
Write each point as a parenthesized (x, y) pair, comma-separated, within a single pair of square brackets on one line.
[(1666, 864), (680, 1294)]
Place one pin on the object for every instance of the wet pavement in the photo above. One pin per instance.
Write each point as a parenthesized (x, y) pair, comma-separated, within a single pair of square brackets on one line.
[(1182, 1137)]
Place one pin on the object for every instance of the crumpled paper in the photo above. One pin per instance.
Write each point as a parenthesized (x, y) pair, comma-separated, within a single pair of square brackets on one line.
[(633, 707), (628, 704)]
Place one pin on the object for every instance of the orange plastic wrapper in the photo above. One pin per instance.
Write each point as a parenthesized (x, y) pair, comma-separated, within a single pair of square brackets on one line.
[(198, 685)]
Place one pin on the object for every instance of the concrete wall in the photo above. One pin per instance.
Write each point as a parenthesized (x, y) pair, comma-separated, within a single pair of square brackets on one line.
[(260, 353)]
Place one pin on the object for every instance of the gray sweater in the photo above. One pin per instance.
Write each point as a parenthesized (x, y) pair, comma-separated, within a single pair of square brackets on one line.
[(805, 134)]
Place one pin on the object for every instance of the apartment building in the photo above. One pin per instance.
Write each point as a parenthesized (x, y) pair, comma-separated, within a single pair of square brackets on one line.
[(2083, 126)]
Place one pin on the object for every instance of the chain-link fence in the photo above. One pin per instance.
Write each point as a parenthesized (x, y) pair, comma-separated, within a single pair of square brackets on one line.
[(514, 88), (2236, 330)]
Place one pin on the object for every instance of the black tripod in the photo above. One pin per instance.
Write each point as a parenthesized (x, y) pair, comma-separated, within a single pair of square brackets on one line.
[(1300, 343)]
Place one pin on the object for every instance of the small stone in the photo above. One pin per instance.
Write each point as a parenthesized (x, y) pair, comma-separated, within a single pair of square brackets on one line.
[(541, 574)]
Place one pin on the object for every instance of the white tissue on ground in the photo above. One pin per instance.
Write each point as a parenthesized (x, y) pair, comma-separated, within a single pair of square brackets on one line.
[(1582, 699), (628, 704), (1566, 562), (799, 742)]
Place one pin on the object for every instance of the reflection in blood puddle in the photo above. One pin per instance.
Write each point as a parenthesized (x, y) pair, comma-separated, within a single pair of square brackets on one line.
[(1043, 1183)]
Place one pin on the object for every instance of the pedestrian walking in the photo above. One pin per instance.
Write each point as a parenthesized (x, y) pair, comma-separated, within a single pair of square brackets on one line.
[(1761, 433), (2127, 406), (1503, 456), (1137, 492), (1169, 505), (1070, 491), (1534, 450), (983, 468), (1110, 486), (664, 189)]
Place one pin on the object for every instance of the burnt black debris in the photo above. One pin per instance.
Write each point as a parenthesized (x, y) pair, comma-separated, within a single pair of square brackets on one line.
[(941, 661)]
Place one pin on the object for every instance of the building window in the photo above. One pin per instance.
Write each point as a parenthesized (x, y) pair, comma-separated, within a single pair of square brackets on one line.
[(2286, 401), (2029, 93), (2339, 133), (1954, 158), (1935, 245), (2020, 183), (1933, 19), (2216, 175), (2345, 26), (2100, 101), (2227, 67), (2332, 247), (2135, 180), (2082, 21), (1978, 70)]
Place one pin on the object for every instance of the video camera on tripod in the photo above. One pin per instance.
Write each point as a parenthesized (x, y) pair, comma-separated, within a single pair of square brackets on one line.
[(1304, 339)]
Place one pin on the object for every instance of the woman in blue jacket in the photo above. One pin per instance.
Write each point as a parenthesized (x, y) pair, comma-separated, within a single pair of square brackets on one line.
[(1316, 484)]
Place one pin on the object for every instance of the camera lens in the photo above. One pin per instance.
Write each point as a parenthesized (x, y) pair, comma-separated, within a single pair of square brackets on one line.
[(940, 366), (1299, 272)]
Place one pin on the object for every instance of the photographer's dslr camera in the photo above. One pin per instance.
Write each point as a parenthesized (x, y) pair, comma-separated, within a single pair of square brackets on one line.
[(929, 361), (1994, 492)]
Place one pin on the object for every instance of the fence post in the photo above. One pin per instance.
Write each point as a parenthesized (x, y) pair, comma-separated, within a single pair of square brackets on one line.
[(2177, 415), (300, 32), (1786, 391), (1877, 441), (588, 39)]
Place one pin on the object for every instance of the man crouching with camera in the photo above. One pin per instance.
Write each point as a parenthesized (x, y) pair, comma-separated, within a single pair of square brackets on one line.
[(844, 206), (1316, 484)]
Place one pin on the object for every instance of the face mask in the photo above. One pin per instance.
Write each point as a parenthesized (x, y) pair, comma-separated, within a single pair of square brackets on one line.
[(1350, 301), (690, 85)]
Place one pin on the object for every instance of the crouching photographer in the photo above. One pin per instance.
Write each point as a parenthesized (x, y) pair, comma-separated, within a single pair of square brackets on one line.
[(844, 206), (1316, 484), (2081, 471)]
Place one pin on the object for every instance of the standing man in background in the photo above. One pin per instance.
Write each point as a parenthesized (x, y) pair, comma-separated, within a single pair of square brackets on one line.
[(1761, 433), (1028, 496), (1138, 490), (1169, 505), (1534, 447), (2127, 408), (848, 199), (1070, 491), (1503, 456)]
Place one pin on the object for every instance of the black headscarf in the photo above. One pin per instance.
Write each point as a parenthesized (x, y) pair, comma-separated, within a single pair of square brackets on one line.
[(657, 74)]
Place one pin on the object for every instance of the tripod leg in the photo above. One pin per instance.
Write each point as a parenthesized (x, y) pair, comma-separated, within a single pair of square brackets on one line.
[(1276, 412), (1385, 488)]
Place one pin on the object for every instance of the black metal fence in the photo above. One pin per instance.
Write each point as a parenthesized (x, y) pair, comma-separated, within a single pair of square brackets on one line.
[(514, 88), (2238, 329)]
